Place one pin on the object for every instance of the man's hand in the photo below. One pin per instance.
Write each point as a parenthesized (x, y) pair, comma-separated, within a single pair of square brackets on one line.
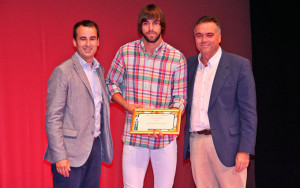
[(241, 161), (63, 167), (118, 98), (155, 135), (131, 107)]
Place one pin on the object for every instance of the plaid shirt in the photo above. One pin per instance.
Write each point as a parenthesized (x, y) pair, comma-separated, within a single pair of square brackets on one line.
[(157, 81)]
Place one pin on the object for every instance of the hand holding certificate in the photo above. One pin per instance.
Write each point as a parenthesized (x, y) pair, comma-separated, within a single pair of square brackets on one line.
[(148, 121)]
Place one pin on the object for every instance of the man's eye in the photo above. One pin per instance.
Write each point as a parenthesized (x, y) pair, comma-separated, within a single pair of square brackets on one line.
[(209, 35)]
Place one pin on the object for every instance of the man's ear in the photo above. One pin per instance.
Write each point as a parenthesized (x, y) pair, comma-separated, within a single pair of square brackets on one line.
[(74, 43)]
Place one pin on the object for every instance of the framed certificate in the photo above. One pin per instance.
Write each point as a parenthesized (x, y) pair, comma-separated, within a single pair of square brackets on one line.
[(144, 121)]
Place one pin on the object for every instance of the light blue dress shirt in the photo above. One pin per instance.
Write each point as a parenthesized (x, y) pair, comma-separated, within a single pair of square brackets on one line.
[(91, 74)]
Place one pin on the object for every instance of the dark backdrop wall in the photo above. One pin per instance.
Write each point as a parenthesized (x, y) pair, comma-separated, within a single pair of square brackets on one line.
[(36, 36), (276, 70)]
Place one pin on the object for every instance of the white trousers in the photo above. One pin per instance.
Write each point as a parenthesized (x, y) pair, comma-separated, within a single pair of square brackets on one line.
[(207, 169), (135, 163)]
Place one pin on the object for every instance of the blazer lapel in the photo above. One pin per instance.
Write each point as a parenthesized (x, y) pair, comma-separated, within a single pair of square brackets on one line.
[(193, 70), (78, 68), (100, 74), (220, 77)]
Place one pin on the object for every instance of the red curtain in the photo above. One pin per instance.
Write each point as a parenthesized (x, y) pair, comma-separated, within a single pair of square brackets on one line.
[(36, 36)]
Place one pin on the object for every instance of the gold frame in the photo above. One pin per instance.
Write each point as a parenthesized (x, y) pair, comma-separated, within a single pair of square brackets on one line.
[(138, 111)]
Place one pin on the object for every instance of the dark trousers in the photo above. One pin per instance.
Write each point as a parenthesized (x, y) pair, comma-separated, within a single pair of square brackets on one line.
[(85, 176)]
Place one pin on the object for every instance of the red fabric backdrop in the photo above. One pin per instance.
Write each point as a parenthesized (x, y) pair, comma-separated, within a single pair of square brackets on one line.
[(36, 36)]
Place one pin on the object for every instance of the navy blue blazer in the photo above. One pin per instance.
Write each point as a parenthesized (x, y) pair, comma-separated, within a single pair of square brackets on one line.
[(232, 107)]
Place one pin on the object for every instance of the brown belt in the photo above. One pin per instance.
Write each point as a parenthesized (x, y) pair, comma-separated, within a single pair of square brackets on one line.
[(205, 132)]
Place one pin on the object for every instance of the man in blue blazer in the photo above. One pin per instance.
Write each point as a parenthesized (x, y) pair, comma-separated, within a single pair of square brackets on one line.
[(77, 117), (221, 119)]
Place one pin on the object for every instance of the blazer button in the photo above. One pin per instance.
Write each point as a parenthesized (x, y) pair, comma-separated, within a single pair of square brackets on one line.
[(92, 132), (93, 116)]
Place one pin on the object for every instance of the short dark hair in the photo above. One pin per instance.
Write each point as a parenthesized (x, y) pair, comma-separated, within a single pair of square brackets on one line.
[(148, 12), (86, 23), (205, 19)]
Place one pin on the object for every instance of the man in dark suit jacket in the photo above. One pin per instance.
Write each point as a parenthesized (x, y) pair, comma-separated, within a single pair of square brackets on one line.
[(221, 120), (77, 117)]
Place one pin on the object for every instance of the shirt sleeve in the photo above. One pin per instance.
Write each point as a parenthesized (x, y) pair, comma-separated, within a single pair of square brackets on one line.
[(115, 75), (179, 86)]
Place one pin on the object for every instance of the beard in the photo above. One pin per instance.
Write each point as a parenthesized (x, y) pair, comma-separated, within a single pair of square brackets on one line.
[(149, 40)]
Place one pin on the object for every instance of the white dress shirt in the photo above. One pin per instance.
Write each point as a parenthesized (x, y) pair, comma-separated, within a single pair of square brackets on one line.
[(91, 74), (202, 90)]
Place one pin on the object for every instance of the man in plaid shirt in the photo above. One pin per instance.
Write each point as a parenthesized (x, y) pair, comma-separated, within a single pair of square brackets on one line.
[(148, 73)]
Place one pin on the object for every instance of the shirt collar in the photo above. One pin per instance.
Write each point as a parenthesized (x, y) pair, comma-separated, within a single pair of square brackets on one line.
[(84, 64), (158, 49), (214, 60)]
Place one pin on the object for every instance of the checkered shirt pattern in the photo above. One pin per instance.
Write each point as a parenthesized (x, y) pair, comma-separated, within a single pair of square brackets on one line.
[(157, 81)]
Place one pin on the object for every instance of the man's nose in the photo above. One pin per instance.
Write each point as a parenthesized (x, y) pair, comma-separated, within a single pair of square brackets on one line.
[(204, 38), (151, 26)]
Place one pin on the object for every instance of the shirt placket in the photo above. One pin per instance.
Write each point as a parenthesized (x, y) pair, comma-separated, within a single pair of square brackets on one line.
[(202, 97), (147, 82)]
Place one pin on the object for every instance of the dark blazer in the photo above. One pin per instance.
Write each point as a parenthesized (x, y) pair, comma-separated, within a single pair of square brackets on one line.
[(70, 114), (232, 107)]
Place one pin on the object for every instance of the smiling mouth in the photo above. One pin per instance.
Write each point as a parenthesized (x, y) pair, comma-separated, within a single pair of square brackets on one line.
[(87, 50), (151, 34), (204, 46)]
